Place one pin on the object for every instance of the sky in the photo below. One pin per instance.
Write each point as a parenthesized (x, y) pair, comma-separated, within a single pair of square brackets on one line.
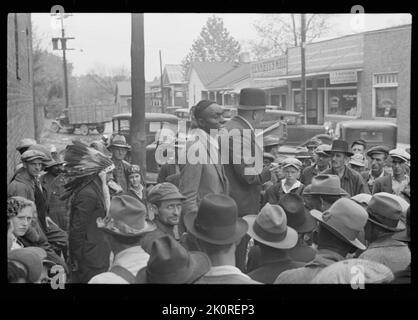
[(103, 40)]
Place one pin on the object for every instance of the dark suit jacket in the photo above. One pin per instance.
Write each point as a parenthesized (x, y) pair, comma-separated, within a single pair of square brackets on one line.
[(87, 245), (244, 189), (383, 184)]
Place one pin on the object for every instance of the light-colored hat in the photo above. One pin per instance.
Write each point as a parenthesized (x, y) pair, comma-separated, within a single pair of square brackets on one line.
[(322, 148), (25, 143), (326, 184), (401, 154), (358, 160), (270, 227), (31, 155), (119, 142), (385, 211), (362, 198), (342, 272), (346, 218), (291, 162)]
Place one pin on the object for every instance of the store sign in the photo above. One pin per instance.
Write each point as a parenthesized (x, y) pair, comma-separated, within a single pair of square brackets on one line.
[(343, 76), (269, 68)]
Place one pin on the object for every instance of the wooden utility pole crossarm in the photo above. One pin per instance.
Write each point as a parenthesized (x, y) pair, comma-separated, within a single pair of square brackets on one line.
[(137, 135)]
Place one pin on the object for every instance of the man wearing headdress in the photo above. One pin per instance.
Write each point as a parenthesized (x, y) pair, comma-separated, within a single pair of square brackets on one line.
[(88, 172)]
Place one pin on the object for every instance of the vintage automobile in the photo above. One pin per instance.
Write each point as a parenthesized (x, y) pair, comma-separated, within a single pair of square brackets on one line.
[(154, 123), (372, 131)]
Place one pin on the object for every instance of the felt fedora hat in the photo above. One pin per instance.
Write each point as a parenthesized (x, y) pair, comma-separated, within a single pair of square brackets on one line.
[(216, 221), (164, 191), (270, 227), (326, 184), (252, 99), (362, 198), (385, 211), (405, 235), (127, 218), (31, 261), (340, 146), (171, 263), (119, 141), (346, 219), (297, 214)]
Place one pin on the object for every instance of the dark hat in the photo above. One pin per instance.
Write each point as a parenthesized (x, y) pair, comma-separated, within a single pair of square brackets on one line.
[(170, 262), (360, 142), (119, 142), (201, 106), (298, 216), (340, 146), (405, 235), (326, 184), (385, 211), (252, 99), (164, 191), (127, 218), (270, 227), (216, 220), (346, 218), (30, 259), (377, 149)]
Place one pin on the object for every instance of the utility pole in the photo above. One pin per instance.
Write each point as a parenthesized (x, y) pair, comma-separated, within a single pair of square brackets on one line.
[(137, 134), (64, 48), (302, 56), (162, 85)]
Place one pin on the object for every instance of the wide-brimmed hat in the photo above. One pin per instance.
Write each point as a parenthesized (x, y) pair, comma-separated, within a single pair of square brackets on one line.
[(341, 272), (405, 235), (377, 149), (326, 184), (358, 160), (164, 191), (297, 214), (31, 259), (385, 211), (170, 262), (362, 198), (270, 227), (271, 141), (340, 146), (291, 162), (346, 219), (30, 155), (216, 220), (322, 148), (252, 99), (119, 142), (400, 154), (127, 218), (25, 143)]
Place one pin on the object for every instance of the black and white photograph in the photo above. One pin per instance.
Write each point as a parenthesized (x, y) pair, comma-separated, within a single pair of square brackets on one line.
[(208, 148)]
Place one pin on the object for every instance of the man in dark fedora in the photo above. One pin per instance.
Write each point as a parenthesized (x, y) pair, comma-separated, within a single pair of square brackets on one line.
[(217, 230), (339, 228), (384, 221), (351, 181), (245, 189), (274, 239), (171, 263), (378, 156), (321, 163), (119, 148), (124, 228)]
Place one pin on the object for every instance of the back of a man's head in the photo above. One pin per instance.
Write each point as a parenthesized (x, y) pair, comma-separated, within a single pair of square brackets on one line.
[(120, 243), (216, 249), (329, 240)]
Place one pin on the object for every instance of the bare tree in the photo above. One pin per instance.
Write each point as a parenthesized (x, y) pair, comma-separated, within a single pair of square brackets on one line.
[(278, 32)]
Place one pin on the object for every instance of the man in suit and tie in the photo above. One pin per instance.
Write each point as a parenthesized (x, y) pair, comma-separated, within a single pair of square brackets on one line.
[(204, 173)]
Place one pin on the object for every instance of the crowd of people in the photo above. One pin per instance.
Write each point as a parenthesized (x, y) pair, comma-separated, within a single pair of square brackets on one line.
[(308, 218)]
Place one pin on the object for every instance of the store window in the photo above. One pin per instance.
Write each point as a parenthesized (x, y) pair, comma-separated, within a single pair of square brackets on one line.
[(342, 102), (385, 88)]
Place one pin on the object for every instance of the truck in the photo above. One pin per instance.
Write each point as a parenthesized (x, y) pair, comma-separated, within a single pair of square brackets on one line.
[(85, 118)]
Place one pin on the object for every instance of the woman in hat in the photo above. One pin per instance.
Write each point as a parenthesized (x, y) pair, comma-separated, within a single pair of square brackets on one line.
[(136, 186), (290, 183)]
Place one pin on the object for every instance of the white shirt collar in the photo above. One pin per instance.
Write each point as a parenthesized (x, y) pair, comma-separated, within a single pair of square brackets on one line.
[(133, 259), (224, 270), (294, 186)]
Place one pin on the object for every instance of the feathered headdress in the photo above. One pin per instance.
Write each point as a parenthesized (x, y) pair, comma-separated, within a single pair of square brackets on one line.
[(83, 163)]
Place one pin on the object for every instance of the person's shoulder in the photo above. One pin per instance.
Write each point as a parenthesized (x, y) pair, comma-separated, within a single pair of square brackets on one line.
[(107, 278)]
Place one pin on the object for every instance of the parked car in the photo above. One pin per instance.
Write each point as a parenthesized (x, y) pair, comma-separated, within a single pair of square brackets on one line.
[(154, 123), (372, 131)]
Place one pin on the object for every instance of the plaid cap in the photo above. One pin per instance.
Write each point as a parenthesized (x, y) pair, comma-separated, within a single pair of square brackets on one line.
[(377, 149), (164, 191), (31, 155)]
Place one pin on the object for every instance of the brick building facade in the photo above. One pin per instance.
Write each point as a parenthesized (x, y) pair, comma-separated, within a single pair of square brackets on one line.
[(22, 122)]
